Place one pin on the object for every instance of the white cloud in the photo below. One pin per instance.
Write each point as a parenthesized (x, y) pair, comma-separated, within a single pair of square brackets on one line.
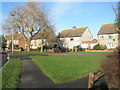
[(60, 8)]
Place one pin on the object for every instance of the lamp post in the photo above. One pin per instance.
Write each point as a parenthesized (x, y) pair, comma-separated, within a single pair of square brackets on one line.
[(12, 15)]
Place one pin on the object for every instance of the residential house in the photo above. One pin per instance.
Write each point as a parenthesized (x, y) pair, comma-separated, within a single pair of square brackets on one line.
[(37, 41), (108, 35), (47, 37), (18, 40), (74, 37)]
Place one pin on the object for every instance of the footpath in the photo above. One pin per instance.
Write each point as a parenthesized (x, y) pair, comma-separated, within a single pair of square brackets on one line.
[(33, 77)]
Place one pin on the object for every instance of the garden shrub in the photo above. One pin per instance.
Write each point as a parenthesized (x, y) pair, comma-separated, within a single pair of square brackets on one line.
[(110, 66), (99, 47), (70, 49), (45, 48)]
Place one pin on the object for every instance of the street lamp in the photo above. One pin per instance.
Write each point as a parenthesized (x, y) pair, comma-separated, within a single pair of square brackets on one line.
[(12, 15)]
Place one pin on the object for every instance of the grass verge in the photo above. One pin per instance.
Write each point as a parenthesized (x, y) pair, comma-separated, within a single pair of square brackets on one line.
[(63, 68), (49, 52), (11, 73)]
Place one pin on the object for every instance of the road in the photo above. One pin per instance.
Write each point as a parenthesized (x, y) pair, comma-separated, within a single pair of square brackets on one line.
[(3, 59)]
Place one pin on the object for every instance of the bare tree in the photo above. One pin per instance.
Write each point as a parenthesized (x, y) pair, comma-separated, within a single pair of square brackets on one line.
[(111, 64), (31, 19), (117, 22), (51, 38)]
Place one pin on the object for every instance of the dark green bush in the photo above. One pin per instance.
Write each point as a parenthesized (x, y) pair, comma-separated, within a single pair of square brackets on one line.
[(99, 47), (70, 49), (48, 47), (39, 48), (45, 48)]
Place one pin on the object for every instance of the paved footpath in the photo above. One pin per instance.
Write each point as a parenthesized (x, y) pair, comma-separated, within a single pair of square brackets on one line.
[(33, 77)]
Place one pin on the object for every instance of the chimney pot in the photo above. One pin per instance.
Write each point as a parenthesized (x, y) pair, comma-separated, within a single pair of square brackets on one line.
[(74, 27)]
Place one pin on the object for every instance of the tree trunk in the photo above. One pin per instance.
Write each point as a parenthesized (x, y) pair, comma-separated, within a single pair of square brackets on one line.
[(28, 46), (42, 45), (41, 48)]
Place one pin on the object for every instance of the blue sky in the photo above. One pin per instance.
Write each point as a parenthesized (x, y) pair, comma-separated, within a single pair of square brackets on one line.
[(65, 15)]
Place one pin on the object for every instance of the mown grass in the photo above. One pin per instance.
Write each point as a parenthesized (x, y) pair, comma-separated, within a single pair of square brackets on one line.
[(63, 68), (29, 52), (49, 52), (11, 73)]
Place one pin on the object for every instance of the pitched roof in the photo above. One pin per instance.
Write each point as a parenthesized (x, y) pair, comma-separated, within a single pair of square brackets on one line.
[(16, 36), (108, 29), (39, 35), (78, 32)]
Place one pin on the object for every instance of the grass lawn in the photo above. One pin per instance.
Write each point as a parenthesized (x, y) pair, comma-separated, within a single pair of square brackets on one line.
[(10, 74), (49, 52), (30, 52), (63, 68)]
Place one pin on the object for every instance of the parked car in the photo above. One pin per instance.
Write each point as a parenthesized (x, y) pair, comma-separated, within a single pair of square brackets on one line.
[(77, 48), (61, 49)]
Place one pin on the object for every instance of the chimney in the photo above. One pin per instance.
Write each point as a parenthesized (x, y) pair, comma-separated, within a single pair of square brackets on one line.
[(16, 32), (74, 27)]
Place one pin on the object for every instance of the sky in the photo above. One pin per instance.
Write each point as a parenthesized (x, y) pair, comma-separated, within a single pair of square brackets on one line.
[(65, 15)]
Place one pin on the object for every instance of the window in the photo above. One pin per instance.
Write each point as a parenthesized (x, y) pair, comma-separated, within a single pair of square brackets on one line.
[(101, 37), (110, 37), (90, 38), (71, 39), (110, 45)]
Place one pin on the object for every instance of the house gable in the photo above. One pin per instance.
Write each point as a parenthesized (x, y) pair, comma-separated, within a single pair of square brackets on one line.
[(87, 35)]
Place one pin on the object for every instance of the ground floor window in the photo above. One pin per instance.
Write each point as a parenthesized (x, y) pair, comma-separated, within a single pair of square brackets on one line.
[(110, 45)]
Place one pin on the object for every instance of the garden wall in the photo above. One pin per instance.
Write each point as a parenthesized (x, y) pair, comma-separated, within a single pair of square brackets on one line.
[(100, 51)]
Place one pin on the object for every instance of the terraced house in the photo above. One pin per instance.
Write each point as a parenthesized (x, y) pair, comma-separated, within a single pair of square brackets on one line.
[(74, 37), (108, 35)]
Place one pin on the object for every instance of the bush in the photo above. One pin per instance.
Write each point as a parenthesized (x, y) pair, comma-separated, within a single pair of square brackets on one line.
[(39, 48), (48, 47), (99, 47), (70, 49), (110, 66)]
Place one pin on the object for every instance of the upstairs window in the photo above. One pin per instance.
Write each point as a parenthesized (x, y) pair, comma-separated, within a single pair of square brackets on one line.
[(71, 39), (101, 37), (110, 36)]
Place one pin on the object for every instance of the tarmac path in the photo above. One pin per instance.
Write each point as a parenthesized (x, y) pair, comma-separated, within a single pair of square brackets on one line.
[(33, 77)]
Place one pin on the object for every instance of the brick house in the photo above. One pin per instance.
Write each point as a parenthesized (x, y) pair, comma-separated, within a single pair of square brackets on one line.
[(19, 40), (108, 35)]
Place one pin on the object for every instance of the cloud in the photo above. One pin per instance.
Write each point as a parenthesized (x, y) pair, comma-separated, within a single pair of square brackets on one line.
[(60, 8)]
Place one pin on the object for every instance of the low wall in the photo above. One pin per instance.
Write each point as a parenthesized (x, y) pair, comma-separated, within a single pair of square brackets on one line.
[(100, 51), (13, 50)]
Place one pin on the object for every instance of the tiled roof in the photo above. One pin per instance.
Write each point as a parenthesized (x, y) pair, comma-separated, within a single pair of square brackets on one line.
[(39, 35), (108, 29), (16, 36), (78, 32)]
